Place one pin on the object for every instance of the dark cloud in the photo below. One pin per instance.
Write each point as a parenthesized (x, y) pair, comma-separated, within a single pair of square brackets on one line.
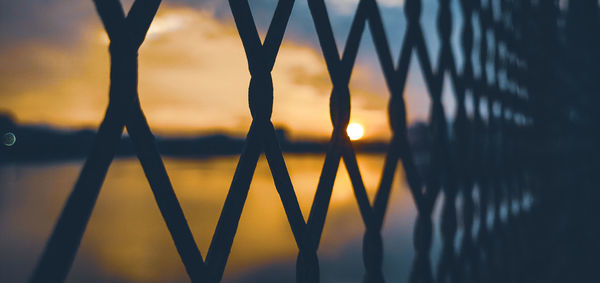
[(63, 21), (54, 21)]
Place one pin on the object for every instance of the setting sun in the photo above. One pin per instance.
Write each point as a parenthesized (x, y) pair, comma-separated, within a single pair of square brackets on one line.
[(355, 131)]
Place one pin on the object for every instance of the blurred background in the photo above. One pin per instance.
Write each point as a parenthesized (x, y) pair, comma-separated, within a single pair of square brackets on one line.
[(193, 86)]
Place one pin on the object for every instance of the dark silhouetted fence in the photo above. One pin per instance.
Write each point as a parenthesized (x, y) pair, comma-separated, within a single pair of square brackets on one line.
[(496, 159)]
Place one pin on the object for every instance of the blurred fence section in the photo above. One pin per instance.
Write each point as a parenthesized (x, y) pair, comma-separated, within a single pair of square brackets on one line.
[(514, 169)]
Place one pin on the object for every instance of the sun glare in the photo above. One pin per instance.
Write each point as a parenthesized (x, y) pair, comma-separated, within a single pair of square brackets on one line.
[(355, 131)]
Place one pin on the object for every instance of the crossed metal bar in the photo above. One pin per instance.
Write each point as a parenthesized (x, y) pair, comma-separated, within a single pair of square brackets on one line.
[(127, 33)]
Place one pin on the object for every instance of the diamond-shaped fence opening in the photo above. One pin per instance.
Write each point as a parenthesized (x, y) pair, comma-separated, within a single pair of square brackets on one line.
[(341, 15), (458, 33), (428, 19), (476, 53), (449, 100), (394, 23), (483, 109), (470, 104), (262, 13)]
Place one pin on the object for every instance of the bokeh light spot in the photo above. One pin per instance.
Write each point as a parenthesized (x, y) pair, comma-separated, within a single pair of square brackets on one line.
[(9, 139)]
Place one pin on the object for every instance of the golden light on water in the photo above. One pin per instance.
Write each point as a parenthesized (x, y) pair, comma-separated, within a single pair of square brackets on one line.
[(355, 131), (143, 251)]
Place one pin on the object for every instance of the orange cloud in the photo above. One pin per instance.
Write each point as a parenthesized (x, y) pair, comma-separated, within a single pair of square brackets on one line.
[(193, 79)]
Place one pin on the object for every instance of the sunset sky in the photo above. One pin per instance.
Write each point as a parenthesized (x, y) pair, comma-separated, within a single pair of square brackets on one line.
[(194, 77)]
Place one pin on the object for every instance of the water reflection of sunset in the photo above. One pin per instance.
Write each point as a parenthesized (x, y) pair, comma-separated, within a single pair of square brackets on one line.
[(126, 239)]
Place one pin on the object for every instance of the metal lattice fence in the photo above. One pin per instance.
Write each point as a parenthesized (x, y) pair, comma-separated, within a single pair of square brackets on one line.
[(485, 160)]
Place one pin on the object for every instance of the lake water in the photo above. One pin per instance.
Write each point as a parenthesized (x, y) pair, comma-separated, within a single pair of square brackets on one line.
[(127, 241)]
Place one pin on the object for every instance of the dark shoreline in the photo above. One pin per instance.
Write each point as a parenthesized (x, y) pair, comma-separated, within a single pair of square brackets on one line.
[(35, 143)]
